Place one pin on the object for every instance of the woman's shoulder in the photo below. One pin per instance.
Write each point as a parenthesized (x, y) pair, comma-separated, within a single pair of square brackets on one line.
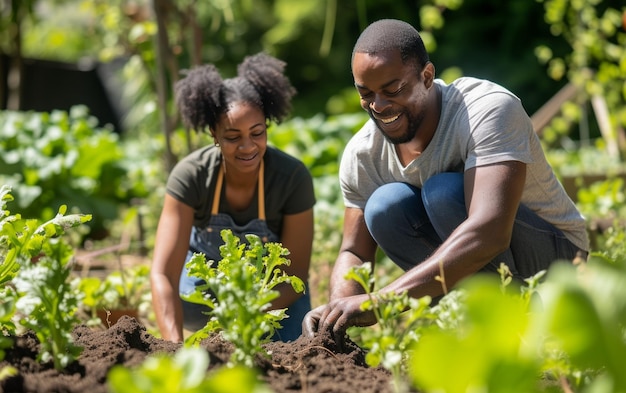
[(201, 159), (209, 153), (277, 158), (289, 180), (285, 168), (195, 168)]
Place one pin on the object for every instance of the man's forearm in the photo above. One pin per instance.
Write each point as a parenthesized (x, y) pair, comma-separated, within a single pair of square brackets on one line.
[(464, 253), (339, 285)]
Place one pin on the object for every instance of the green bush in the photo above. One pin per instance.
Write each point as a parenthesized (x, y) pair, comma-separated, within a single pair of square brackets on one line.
[(53, 158)]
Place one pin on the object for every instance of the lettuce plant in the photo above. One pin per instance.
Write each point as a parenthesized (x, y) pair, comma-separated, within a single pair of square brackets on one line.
[(33, 279), (123, 289), (23, 240), (240, 291), (48, 304), (8, 269), (8, 239)]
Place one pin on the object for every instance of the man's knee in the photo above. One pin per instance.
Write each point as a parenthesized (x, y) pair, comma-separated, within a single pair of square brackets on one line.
[(443, 190), (387, 202)]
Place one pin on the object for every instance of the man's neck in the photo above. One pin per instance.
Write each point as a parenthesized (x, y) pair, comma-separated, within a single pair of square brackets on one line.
[(409, 151)]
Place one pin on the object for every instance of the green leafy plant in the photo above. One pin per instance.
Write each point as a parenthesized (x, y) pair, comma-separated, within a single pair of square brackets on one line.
[(185, 372), (123, 289), (23, 240), (581, 334), (240, 291), (34, 280), (48, 304), (8, 270), (603, 199), (10, 245), (594, 31), (483, 349), (7, 311), (50, 158), (399, 318), (558, 334), (317, 141)]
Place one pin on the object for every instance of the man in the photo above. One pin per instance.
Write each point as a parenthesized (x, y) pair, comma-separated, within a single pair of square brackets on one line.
[(441, 176)]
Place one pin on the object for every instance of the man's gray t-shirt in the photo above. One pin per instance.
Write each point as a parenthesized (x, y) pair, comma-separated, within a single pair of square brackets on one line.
[(481, 123), (288, 187)]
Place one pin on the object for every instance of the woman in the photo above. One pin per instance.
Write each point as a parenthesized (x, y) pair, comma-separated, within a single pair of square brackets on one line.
[(240, 183)]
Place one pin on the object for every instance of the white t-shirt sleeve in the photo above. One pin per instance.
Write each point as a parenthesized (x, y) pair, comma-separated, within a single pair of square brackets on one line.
[(500, 131), (353, 179)]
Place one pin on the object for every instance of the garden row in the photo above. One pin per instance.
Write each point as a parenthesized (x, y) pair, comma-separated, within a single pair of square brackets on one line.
[(555, 332)]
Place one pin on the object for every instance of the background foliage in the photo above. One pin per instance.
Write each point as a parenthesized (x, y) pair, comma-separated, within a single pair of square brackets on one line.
[(484, 38), (532, 47)]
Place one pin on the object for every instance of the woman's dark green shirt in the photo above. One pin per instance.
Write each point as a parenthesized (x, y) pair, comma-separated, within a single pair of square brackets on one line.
[(288, 187)]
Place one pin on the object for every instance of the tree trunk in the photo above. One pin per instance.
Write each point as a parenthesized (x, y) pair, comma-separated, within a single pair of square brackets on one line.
[(14, 76), (162, 55)]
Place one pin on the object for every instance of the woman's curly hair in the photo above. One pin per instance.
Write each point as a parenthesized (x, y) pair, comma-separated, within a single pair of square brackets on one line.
[(203, 96)]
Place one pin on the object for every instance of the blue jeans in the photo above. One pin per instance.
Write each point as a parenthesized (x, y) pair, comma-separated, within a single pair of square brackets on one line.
[(409, 223)]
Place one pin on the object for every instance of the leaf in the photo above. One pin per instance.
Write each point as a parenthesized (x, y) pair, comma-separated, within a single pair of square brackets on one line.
[(490, 336), (575, 319), (361, 274)]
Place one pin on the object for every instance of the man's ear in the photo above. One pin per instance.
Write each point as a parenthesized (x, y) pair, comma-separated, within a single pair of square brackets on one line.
[(428, 73)]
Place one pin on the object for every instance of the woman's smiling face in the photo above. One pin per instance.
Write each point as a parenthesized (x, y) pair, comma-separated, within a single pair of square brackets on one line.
[(242, 135)]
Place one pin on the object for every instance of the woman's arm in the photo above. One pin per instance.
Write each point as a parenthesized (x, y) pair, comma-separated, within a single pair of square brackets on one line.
[(170, 250), (297, 237)]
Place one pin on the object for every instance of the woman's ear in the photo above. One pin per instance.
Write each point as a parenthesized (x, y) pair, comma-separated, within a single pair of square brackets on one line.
[(215, 141)]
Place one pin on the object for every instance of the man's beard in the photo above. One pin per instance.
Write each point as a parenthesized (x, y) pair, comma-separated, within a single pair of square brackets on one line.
[(413, 124)]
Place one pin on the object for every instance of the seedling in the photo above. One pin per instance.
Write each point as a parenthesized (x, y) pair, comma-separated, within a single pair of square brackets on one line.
[(240, 291), (124, 289), (185, 372), (399, 318)]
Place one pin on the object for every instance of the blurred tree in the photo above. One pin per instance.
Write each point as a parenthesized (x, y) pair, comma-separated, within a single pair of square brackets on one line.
[(159, 38), (13, 14), (594, 63)]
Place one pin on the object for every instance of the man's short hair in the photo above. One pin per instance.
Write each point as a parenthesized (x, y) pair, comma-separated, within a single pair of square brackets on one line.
[(386, 34)]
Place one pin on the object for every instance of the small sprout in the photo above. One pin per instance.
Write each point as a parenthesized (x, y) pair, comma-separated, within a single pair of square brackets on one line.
[(398, 315)]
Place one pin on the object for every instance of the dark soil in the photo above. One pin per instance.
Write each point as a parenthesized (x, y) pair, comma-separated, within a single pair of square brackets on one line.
[(309, 365)]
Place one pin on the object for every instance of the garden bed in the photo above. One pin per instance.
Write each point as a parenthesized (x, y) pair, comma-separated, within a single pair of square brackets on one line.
[(305, 365)]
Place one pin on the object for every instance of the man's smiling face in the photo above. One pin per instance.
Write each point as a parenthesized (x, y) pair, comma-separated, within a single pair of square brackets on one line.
[(392, 92)]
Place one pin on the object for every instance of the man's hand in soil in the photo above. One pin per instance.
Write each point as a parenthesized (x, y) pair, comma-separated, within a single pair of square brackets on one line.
[(337, 316)]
